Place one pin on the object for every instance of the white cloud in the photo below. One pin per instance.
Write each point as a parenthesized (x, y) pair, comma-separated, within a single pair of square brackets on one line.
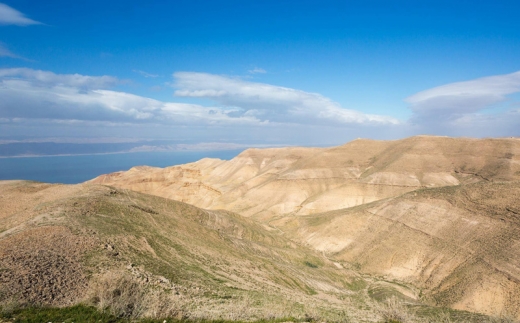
[(36, 94), (272, 103), (33, 94), (10, 16), (50, 79), (470, 108), (45, 104), (257, 70), (5, 52), (465, 97), (145, 74), (38, 103)]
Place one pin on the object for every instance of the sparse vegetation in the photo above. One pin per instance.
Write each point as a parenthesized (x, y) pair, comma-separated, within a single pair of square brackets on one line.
[(310, 264), (121, 296), (394, 311), (78, 314)]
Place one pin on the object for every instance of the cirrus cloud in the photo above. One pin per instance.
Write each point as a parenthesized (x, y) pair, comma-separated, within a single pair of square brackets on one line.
[(257, 70), (5, 52), (145, 74), (50, 79), (11, 16)]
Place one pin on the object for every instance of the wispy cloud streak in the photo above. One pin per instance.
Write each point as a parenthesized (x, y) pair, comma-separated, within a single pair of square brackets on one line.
[(257, 70), (11, 16), (5, 52), (145, 74), (50, 79)]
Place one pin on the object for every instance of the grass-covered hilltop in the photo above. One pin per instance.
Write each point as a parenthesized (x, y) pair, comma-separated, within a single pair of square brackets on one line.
[(425, 229)]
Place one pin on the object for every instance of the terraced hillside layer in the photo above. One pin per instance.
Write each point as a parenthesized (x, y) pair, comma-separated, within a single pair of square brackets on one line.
[(266, 183), (460, 245)]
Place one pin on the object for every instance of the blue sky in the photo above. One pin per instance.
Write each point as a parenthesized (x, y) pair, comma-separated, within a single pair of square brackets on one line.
[(258, 72)]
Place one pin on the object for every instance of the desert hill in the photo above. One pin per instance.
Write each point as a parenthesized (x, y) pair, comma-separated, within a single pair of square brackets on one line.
[(459, 245), (314, 233), (137, 255), (148, 256), (438, 213), (266, 183)]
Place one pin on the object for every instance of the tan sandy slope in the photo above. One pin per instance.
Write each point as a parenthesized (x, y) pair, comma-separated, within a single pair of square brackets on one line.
[(440, 213), (64, 244), (460, 245), (58, 242), (265, 183)]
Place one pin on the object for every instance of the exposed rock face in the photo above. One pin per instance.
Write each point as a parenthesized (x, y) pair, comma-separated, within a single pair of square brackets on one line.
[(267, 183)]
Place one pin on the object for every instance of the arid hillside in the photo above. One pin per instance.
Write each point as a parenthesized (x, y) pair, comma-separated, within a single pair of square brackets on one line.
[(438, 213), (267, 183), (135, 255), (306, 232), (459, 245), (143, 255)]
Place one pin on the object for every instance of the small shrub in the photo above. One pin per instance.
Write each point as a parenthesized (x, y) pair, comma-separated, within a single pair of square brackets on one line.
[(394, 311), (120, 295), (310, 264)]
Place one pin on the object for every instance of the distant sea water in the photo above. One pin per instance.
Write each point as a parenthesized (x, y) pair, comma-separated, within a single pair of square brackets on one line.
[(80, 168)]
